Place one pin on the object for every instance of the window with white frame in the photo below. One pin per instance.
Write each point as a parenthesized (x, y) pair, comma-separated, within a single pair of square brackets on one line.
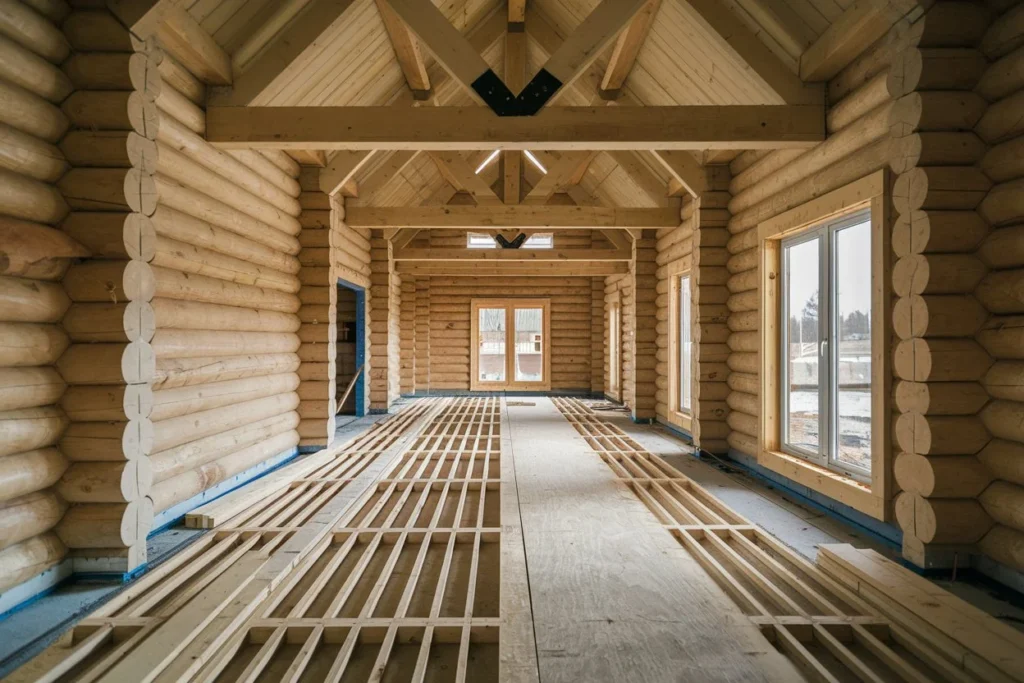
[(479, 240), (826, 344), (684, 344)]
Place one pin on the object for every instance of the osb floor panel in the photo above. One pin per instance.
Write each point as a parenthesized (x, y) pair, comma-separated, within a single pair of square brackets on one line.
[(471, 540)]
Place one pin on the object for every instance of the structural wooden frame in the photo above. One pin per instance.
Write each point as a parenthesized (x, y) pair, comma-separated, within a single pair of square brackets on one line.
[(869, 192), (676, 415), (822, 624), (614, 389), (510, 305)]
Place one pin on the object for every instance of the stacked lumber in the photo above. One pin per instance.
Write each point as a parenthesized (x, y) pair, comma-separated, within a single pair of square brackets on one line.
[(384, 304), (974, 641), (182, 372), (597, 336), (1001, 291), (675, 258), (407, 342), (318, 331), (644, 270), (422, 333), (766, 185), (711, 291), (937, 363), (33, 258), (618, 291)]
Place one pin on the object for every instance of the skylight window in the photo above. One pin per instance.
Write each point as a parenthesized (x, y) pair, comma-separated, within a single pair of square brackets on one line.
[(477, 240), (540, 240)]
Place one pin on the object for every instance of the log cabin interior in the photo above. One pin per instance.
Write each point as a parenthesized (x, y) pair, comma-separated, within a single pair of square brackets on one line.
[(521, 341)]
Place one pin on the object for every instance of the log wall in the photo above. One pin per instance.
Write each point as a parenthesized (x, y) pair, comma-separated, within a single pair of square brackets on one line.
[(384, 303), (350, 250), (644, 272), (1001, 291), (33, 259), (936, 362), (318, 371), (619, 288)]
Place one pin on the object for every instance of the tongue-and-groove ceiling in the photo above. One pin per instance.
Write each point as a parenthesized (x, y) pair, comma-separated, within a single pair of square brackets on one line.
[(683, 60)]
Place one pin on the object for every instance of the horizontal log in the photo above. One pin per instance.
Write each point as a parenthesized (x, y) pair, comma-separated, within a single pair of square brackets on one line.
[(940, 434), (28, 70), (189, 456), (938, 316), (941, 520), (940, 360), (22, 561), (1005, 379), (1004, 248), (107, 482), (1005, 161), (940, 398), (918, 69), (144, 282), (29, 344), (110, 110), (168, 403), (1005, 459), (1004, 205), (180, 430), (936, 110), (1004, 545), (25, 473), (1000, 121), (936, 149), (1002, 291), (106, 525), (1004, 502), (937, 274), (943, 188), (30, 428), (92, 363), (24, 300), (28, 199), (29, 515), (29, 156), (925, 232), (1003, 337), (943, 476), (1003, 419), (29, 388)]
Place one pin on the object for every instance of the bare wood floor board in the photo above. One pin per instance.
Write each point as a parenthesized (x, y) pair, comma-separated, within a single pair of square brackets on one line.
[(614, 597), (825, 629)]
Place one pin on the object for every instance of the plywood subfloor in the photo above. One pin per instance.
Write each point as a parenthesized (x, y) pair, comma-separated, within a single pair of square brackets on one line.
[(615, 598)]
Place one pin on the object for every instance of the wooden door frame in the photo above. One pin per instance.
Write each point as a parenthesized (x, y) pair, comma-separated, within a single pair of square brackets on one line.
[(614, 389), (509, 304)]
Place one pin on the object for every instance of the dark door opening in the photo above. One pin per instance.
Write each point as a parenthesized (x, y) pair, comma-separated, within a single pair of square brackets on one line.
[(350, 358)]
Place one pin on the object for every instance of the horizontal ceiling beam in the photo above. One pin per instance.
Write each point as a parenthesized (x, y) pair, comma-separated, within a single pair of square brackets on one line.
[(514, 269), (521, 255), (589, 128), (512, 216)]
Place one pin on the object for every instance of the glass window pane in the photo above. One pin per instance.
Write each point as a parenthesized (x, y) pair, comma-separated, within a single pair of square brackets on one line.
[(540, 241), (475, 240), (685, 345), (491, 345), (801, 287), (852, 325), (529, 344)]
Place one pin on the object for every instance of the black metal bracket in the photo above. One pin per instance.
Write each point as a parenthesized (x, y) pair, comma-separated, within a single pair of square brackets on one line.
[(493, 91)]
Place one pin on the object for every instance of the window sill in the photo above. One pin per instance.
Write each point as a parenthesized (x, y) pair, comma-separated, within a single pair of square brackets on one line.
[(844, 489)]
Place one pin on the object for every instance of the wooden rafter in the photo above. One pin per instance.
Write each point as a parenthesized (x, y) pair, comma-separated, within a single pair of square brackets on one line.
[(179, 34), (509, 216), (597, 128), (685, 169), (627, 47), (458, 172), (386, 171), (516, 11), (515, 79), (407, 51), (318, 18), (756, 54), (650, 183), (514, 269), (863, 22), (341, 168), (308, 157)]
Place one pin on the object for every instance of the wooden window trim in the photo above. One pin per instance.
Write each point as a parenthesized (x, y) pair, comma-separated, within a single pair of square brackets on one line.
[(509, 304), (615, 359), (674, 414), (872, 499)]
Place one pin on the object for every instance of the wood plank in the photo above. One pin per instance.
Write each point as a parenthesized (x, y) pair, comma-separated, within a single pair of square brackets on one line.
[(627, 47), (516, 11), (515, 79), (572, 165), (447, 128), (527, 255), (407, 52), (509, 216), (341, 168), (318, 19), (756, 54), (685, 169), (309, 157)]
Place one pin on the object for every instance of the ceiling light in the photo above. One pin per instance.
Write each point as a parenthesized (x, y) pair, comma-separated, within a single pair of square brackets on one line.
[(535, 161), (494, 155)]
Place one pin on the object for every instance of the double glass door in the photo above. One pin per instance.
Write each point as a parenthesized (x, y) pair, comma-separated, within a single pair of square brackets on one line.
[(510, 345)]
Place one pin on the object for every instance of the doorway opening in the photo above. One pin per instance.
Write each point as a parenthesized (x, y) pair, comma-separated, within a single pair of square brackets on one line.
[(511, 347), (350, 357)]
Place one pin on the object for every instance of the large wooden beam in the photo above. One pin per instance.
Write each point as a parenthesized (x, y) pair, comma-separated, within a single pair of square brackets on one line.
[(685, 168), (863, 22), (515, 79), (318, 18), (341, 169), (516, 11), (627, 47), (407, 51), (560, 175), (457, 171), (521, 255), (509, 216), (762, 61), (514, 269), (592, 128), (179, 34)]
